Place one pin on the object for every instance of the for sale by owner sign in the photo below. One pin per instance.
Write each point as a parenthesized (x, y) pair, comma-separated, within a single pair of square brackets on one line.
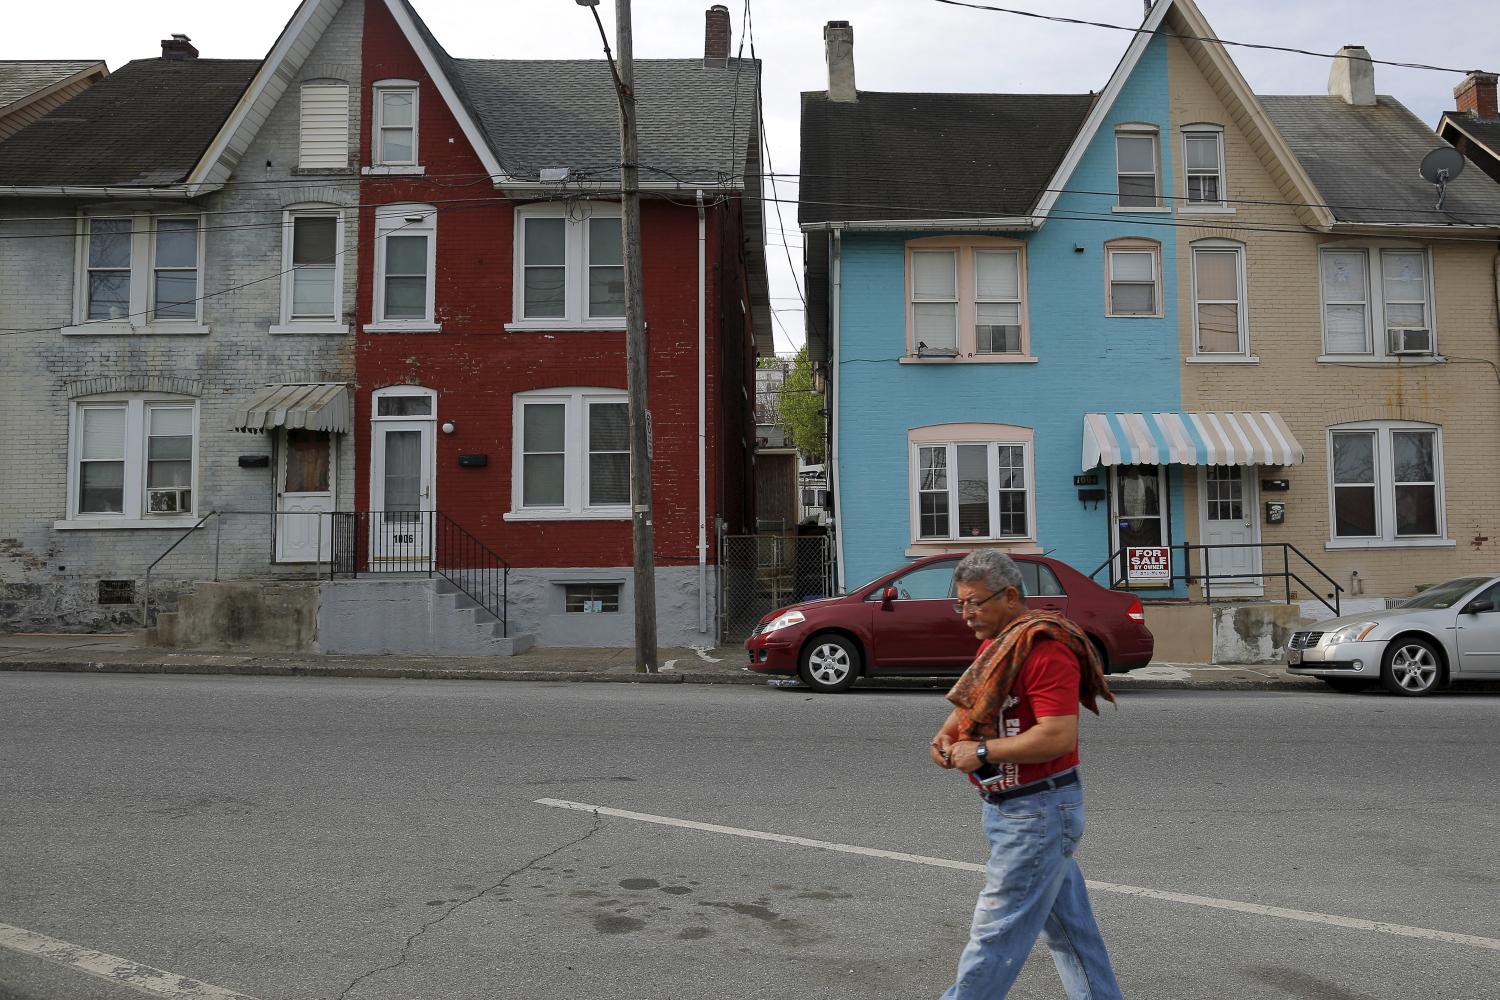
[(1148, 564)]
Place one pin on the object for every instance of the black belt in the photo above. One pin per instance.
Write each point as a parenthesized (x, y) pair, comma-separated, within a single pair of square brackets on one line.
[(1045, 785)]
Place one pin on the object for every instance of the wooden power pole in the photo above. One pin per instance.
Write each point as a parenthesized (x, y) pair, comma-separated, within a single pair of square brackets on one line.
[(636, 356)]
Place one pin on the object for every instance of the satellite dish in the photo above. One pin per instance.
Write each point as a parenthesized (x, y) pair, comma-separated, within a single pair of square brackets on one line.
[(1441, 166)]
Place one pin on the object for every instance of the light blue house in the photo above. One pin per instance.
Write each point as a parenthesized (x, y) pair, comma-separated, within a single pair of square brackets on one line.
[(985, 272)]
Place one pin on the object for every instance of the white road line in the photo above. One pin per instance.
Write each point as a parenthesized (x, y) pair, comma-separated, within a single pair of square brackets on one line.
[(121, 971), (1305, 916)]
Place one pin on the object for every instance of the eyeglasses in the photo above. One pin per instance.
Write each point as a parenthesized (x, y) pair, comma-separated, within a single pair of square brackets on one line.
[(963, 606)]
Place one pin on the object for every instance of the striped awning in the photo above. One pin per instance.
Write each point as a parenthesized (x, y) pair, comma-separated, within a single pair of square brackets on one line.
[(1227, 438), (313, 406)]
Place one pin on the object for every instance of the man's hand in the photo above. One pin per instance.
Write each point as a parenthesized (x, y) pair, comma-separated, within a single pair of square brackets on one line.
[(965, 756), (941, 750)]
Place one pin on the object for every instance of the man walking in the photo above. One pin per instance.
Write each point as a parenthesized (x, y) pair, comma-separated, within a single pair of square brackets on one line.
[(1014, 731)]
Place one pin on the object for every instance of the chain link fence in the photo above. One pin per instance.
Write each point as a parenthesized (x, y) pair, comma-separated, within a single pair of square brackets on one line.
[(760, 573)]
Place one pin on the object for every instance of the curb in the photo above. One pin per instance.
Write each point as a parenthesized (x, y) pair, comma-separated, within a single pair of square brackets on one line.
[(1118, 683)]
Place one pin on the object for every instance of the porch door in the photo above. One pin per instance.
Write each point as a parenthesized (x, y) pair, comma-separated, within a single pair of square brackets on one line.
[(1138, 512), (401, 495), (305, 467), (1229, 504)]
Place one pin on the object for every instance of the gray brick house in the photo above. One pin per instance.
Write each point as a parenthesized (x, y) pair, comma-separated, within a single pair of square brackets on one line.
[(176, 290)]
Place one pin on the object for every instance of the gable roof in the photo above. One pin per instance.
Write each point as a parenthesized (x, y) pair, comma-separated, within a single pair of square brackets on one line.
[(145, 125), (1364, 161), (696, 126), (918, 157), (22, 80), (1475, 137), (1197, 36)]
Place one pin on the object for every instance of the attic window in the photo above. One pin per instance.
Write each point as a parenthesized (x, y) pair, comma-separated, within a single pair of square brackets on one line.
[(1136, 166), (395, 131)]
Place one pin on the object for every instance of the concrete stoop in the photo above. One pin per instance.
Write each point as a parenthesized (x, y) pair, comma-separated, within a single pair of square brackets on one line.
[(403, 615)]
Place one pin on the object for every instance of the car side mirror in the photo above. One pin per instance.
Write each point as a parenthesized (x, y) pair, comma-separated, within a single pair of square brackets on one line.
[(888, 595), (1480, 606)]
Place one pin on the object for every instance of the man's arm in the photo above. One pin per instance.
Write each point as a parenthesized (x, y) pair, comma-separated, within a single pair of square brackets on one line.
[(1051, 737), (941, 751)]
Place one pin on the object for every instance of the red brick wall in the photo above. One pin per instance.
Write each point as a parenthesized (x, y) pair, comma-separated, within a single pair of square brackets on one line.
[(476, 367)]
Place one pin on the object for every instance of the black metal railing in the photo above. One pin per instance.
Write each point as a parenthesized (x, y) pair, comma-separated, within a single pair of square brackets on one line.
[(1206, 578), (353, 543)]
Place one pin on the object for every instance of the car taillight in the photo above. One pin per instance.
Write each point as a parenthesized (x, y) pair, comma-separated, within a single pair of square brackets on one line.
[(1136, 612)]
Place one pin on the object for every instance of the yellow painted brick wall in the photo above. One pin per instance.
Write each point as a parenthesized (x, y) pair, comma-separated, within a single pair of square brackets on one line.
[(1285, 332)]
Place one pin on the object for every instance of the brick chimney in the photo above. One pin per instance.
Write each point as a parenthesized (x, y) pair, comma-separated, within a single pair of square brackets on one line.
[(1353, 76), (1476, 95), (838, 42), (716, 32), (178, 47)]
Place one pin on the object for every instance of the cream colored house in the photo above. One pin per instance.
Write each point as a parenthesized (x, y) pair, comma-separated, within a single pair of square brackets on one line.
[(1317, 280)]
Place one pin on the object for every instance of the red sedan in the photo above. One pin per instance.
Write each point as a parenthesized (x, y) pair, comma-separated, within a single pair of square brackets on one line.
[(904, 623)]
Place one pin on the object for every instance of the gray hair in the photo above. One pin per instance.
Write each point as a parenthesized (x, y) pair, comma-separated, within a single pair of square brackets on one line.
[(991, 567)]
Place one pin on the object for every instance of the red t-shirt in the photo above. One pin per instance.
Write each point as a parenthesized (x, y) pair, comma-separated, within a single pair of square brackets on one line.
[(1048, 684)]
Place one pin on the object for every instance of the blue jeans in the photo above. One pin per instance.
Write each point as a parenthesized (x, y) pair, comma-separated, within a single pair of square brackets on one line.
[(1033, 887)]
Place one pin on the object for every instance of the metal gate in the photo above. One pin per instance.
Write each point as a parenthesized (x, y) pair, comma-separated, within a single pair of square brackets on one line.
[(760, 573)]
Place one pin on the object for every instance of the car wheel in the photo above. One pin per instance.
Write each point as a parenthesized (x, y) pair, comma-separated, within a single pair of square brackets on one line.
[(829, 663), (1411, 667), (1348, 685)]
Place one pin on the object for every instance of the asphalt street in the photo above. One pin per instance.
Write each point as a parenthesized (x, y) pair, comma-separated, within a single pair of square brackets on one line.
[(363, 839)]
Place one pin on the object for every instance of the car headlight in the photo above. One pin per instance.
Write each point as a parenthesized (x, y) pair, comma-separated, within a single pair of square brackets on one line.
[(1352, 633), (786, 620)]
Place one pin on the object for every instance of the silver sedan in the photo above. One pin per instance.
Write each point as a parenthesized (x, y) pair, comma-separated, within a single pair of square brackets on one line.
[(1447, 632)]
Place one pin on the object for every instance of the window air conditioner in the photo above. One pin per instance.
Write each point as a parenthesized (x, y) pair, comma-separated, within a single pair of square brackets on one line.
[(173, 501), (1410, 340)]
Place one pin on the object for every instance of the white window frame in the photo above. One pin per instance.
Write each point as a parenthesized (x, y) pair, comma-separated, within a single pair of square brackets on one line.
[(1221, 205), (1385, 488), (950, 437), (1377, 337), (140, 316), (1140, 130), (378, 163), (1242, 355), (1132, 245), (964, 250), (575, 507), (404, 219), (288, 323), (135, 514), (339, 162), (576, 264)]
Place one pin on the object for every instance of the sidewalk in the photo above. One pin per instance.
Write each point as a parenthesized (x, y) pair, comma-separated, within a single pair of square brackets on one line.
[(123, 653)]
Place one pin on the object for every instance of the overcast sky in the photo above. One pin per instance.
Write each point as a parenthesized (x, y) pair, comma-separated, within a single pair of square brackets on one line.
[(915, 45)]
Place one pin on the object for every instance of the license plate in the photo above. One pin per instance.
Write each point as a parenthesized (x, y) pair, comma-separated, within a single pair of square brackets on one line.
[(1294, 657)]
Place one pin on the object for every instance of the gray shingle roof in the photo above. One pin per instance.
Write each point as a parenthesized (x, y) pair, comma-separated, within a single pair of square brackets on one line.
[(19, 79), (1477, 138), (1364, 162), (146, 124), (694, 123), (895, 156)]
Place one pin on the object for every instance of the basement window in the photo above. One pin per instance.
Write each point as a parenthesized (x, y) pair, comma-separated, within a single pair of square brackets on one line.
[(591, 598), (116, 591)]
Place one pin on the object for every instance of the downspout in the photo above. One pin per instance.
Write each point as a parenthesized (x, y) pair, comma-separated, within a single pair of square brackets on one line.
[(833, 432), (702, 418)]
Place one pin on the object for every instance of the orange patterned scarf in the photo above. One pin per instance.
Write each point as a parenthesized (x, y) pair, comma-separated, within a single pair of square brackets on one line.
[(986, 684)]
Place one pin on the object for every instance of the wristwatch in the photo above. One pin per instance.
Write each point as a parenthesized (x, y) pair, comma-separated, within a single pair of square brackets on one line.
[(982, 751)]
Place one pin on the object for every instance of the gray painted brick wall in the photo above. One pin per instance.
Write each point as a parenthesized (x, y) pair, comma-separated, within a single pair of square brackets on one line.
[(49, 577)]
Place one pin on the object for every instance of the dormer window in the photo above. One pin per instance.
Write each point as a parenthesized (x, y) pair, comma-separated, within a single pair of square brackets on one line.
[(395, 125)]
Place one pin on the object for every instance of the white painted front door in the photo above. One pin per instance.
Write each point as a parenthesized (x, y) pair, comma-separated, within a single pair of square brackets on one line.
[(401, 495), (305, 469), (1228, 517)]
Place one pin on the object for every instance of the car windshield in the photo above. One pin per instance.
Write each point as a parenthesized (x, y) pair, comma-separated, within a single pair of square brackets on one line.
[(1445, 595)]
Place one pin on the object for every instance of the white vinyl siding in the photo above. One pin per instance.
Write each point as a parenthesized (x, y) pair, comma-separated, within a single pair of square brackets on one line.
[(323, 135)]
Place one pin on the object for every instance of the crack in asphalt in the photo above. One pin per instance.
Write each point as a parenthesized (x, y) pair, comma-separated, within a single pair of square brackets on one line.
[(406, 948)]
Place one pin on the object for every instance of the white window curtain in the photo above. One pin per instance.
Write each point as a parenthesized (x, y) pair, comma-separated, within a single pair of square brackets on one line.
[(934, 288)]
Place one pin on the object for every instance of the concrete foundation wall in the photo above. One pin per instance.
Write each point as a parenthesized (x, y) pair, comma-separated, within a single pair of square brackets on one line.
[(280, 617), (1183, 632), (1224, 633), (537, 607)]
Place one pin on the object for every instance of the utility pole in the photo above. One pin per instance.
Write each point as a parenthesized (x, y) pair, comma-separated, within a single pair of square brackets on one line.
[(636, 368)]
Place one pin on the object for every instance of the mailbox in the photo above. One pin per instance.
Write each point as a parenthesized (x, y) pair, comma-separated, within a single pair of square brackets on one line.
[(1275, 511)]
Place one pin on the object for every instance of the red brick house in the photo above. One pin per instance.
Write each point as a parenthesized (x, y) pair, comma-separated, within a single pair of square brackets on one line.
[(490, 347)]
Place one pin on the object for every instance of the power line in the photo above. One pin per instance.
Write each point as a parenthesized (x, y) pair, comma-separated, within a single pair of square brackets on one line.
[(1190, 38)]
